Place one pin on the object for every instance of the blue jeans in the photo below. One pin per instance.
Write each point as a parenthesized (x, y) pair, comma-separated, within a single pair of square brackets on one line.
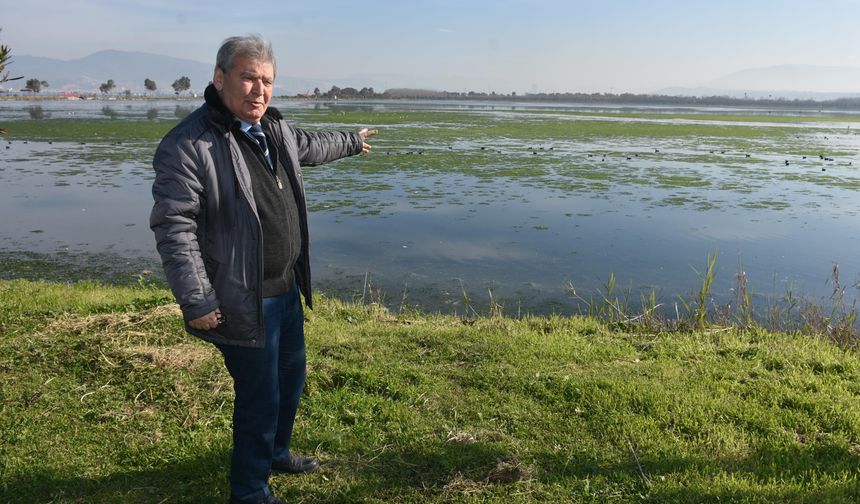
[(268, 383)]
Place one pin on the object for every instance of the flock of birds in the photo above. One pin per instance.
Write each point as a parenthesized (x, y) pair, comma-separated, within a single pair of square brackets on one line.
[(629, 157), (534, 151)]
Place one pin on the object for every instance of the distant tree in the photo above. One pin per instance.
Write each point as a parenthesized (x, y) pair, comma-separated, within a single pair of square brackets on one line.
[(106, 87), (333, 92), (181, 84), (127, 93), (149, 84), (317, 92), (34, 85)]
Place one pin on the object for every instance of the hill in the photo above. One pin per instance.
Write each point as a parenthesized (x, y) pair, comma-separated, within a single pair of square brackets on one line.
[(127, 69), (800, 78), (782, 81)]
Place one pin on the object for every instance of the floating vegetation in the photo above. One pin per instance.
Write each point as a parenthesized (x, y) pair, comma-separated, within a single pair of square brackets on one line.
[(766, 204), (682, 181)]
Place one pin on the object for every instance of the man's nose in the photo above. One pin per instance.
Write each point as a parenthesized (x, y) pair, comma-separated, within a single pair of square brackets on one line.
[(257, 87)]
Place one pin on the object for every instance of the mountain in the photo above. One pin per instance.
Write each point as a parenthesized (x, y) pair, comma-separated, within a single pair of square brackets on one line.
[(808, 78), (129, 69), (783, 81)]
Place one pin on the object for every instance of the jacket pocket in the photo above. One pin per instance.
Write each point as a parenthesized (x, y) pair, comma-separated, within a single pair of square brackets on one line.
[(238, 325), (239, 305)]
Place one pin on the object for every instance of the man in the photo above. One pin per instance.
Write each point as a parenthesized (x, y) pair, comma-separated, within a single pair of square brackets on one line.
[(231, 227)]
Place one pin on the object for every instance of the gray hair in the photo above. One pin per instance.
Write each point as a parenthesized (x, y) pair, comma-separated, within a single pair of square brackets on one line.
[(253, 47)]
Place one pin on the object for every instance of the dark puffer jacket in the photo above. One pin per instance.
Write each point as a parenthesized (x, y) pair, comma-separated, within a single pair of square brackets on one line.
[(205, 220)]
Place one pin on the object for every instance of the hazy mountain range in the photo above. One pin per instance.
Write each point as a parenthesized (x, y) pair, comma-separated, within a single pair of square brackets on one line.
[(129, 70), (786, 81)]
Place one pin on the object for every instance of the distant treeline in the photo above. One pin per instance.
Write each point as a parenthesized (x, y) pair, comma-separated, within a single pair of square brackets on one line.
[(349, 93)]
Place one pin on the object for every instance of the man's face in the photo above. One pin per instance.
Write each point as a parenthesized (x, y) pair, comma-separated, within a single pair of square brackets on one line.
[(246, 89)]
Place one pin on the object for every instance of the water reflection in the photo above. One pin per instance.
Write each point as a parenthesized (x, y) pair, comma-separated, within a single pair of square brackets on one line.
[(108, 111), (37, 112), (181, 112)]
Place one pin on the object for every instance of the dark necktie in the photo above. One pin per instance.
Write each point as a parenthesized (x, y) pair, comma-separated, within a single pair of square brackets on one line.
[(257, 134)]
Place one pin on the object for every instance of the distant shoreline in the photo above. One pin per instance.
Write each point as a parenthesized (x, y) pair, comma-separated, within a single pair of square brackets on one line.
[(626, 99), (56, 97)]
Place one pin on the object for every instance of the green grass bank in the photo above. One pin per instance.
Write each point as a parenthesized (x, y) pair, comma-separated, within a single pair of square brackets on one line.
[(103, 398)]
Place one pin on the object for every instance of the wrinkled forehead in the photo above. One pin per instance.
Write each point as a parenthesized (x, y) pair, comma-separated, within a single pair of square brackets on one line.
[(242, 61), (249, 67)]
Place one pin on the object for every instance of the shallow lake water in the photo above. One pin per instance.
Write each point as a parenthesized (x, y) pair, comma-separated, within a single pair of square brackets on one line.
[(522, 202)]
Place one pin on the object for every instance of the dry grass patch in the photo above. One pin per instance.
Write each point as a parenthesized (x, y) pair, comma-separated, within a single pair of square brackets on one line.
[(461, 438), (174, 357), (459, 484), (508, 472), (125, 323)]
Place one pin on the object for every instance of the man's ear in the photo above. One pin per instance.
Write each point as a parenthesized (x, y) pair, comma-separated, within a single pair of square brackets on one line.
[(218, 78)]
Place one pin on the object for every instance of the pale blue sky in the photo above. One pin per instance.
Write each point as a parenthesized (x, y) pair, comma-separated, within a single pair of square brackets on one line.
[(500, 45)]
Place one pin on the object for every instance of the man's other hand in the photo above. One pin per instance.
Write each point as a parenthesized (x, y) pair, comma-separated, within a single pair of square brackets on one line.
[(207, 322)]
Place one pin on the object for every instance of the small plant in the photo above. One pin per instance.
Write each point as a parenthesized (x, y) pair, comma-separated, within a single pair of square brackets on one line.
[(745, 315), (782, 315), (371, 294), (497, 310), (609, 306), (467, 305), (145, 280), (649, 319), (404, 296), (699, 311), (617, 311), (843, 318)]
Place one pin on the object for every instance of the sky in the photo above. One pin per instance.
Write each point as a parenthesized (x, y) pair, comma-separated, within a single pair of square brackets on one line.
[(460, 45)]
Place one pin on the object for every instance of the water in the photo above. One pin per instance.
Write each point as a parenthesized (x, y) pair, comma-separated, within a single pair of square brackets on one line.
[(524, 202)]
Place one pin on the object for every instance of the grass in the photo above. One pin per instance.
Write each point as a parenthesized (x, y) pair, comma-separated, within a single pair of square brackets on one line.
[(88, 130), (740, 117), (104, 399), (454, 125)]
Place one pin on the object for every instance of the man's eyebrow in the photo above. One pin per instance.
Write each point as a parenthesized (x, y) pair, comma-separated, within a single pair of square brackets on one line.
[(255, 75)]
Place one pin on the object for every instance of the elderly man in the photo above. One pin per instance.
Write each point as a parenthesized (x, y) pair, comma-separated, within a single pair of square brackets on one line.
[(231, 227)]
